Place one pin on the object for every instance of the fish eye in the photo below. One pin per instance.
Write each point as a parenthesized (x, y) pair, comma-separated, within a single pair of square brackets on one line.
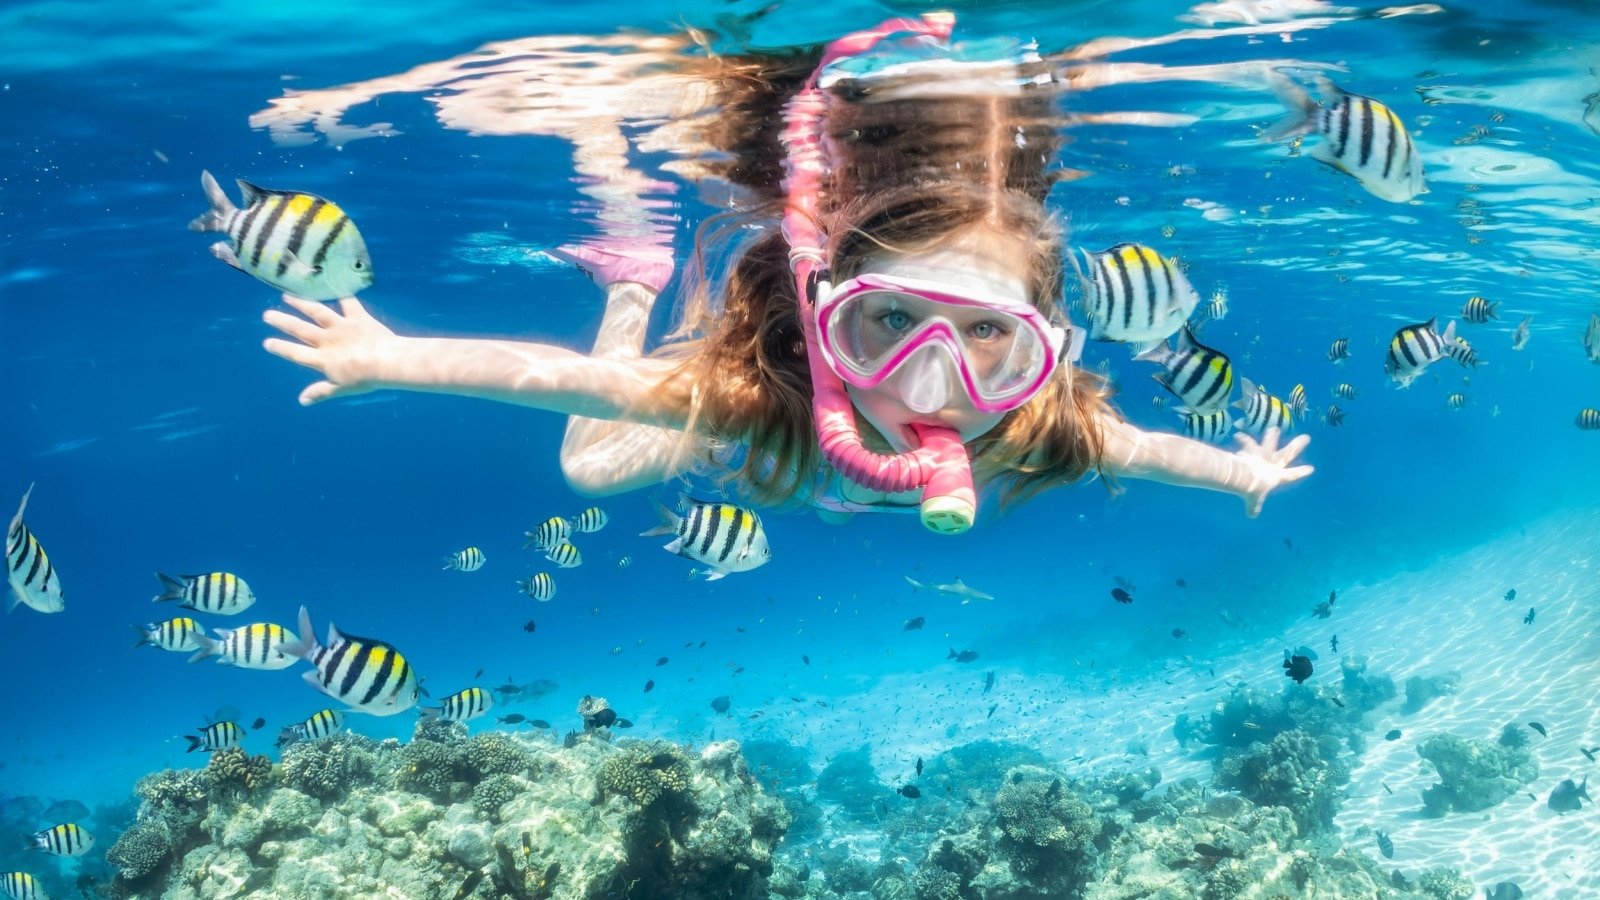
[(360, 265)]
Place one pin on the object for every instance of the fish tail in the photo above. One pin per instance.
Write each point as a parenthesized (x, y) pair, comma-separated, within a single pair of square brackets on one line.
[(214, 218), (1300, 105), (305, 643), (144, 636), (669, 520), (431, 712), (208, 648), (21, 508), (172, 589), (195, 743)]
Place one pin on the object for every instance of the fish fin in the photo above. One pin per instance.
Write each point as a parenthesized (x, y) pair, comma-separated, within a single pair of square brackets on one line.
[(21, 508), (307, 641), (213, 219), (1300, 106), (674, 546), (16, 600), (714, 573), (224, 251), (144, 636), (1140, 348), (298, 267), (430, 712), (668, 524), (171, 588), (251, 193), (195, 743), (915, 584), (1157, 353), (208, 648), (1449, 335)]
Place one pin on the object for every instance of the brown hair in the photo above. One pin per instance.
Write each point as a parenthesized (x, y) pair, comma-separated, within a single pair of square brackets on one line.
[(908, 175)]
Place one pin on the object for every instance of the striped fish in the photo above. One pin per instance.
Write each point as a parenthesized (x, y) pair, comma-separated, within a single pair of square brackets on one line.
[(298, 243), (1478, 310), (368, 675), (222, 593), (1339, 351), (1346, 391), (1334, 417), (1462, 352), (541, 587), (21, 886), (1261, 410), (1519, 338), (1591, 340), (29, 571), (462, 706), (1196, 374), (1589, 420), (1414, 348), (1159, 402), (325, 723), (724, 537), (1213, 428), (1456, 401), (1216, 309), (69, 839), (1297, 401), (550, 532), (256, 646), (564, 555), (1360, 137), (468, 560), (216, 736), (1134, 295), (179, 635), (590, 520)]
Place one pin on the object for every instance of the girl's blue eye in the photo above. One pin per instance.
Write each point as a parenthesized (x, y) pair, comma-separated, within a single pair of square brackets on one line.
[(895, 320), (987, 331)]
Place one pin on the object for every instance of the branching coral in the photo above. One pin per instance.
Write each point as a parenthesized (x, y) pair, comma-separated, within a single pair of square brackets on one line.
[(1048, 831), (1291, 771), (330, 767), (645, 772), (494, 792), (233, 772), (141, 849)]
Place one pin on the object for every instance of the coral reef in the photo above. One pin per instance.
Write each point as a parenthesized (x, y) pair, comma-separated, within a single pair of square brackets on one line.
[(1293, 771), (646, 772), (850, 782), (1420, 691), (330, 767), (1473, 774), (1048, 831)]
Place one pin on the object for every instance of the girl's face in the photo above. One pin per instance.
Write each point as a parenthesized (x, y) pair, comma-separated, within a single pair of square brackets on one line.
[(934, 394)]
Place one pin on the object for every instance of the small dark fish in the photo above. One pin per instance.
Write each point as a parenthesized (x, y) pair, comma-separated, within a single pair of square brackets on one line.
[(1212, 851), (661, 662), (624, 723), (1589, 753), (477, 676), (1178, 632), (988, 681), (1054, 790), (1385, 845), (538, 723), (1539, 728), (688, 644), (1568, 796), (470, 885), (649, 685), (992, 708), (1511, 595), (805, 659), (1124, 583), (702, 645), (1528, 619), (513, 719), (530, 626), (1503, 890), (1387, 788), (1393, 735), (1181, 583), (258, 724), (1333, 644), (914, 624), (570, 740), (1121, 596), (964, 656), (722, 703), (919, 767), (1288, 544), (1399, 881), (1297, 667), (1332, 596), (910, 792), (1337, 702)]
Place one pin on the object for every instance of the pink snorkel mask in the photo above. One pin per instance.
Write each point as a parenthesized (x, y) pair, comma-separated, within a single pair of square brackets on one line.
[(870, 327)]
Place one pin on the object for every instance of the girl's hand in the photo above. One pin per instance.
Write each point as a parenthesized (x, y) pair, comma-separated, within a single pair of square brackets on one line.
[(1268, 465), (348, 349)]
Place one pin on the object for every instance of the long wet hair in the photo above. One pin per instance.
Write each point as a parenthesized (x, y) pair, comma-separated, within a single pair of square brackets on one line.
[(906, 175)]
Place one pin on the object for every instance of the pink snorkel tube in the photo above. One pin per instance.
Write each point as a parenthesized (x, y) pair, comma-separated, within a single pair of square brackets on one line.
[(940, 466)]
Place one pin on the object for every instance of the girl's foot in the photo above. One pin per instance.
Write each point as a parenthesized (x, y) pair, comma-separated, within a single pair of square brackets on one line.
[(607, 263)]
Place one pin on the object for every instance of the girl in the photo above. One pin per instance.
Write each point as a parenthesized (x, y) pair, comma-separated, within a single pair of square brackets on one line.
[(900, 335)]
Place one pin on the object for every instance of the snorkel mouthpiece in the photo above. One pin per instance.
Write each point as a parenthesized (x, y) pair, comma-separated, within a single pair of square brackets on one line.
[(949, 502)]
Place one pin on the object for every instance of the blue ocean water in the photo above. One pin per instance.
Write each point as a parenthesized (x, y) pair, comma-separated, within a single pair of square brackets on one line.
[(160, 437)]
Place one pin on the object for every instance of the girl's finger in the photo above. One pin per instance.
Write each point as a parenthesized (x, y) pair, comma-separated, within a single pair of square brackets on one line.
[(318, 392), (297, 328), (320, 313), (299, 354)]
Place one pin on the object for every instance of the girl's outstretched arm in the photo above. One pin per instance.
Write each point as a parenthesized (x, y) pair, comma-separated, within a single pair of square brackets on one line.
[(356, 353), (1251, 472)]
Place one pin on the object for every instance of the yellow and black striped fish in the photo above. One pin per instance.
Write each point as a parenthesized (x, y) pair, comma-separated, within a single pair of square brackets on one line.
[(1261, 410), (590, 520), (1334, 417), (1134, 295), (1591, 338), (550, 532), (1456, 401), (564, 555), (298, 243), (462, 706), (324, 723), (468, 560), (369, 675), (1360, 137), (179, 635), (256, 646), (222, 593), (541, 587), (1339, 351), (21, 886), (29, 572), (1297, 401), (216, 736), (1462, 352), (724, 537), (1478, 310), (1344, 390), (69, 839), (1213, 428), (1415, 348), (1589, 420), (1196, 374)]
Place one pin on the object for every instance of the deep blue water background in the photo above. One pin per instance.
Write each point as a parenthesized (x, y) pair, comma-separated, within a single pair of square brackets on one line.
[(112, 316)]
